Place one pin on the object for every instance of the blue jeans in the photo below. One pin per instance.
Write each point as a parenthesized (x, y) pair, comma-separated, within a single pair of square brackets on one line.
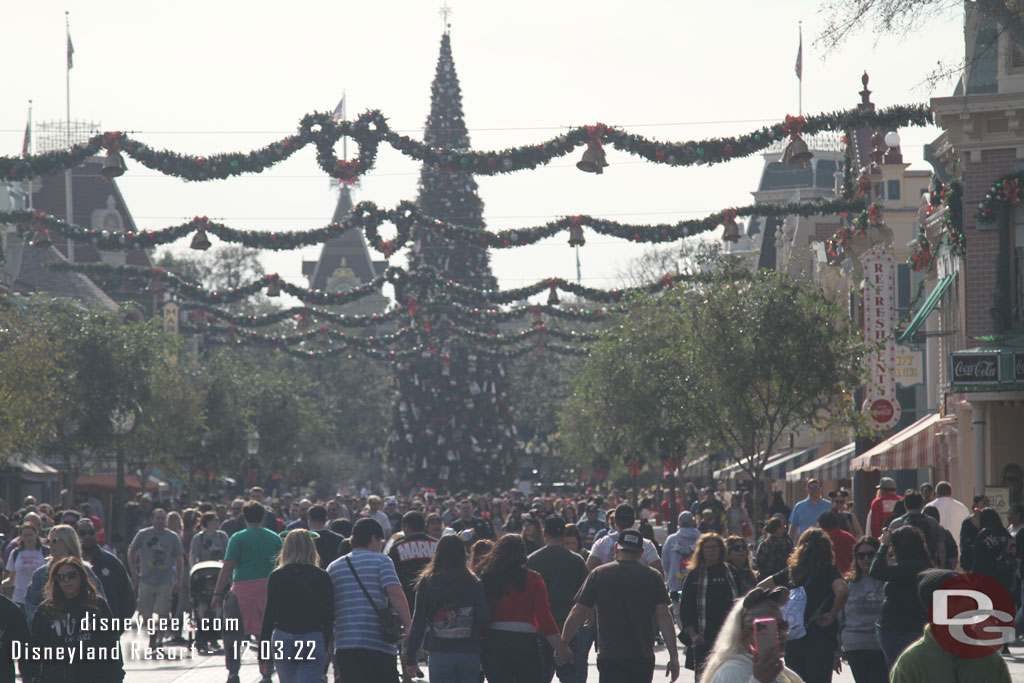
[(893, 643), (299, 657), (454, 667), (584, 640)]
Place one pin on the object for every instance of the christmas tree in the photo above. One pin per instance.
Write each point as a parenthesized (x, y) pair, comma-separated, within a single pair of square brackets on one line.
[(452, 419)]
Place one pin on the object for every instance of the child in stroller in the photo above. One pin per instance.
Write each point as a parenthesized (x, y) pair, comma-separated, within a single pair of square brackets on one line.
[(203, 582)]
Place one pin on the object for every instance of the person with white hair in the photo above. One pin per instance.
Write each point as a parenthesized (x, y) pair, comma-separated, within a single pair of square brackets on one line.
[(733, 660)]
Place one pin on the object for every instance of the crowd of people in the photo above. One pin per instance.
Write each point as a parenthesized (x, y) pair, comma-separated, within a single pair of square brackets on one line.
[(506, 588)]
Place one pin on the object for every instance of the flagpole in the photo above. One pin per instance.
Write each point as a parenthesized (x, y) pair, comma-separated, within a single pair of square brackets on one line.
[(29, 131), (800, 79), (67, 174)]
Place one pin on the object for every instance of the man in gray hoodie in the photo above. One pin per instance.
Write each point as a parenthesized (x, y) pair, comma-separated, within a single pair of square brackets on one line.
[(675, 555)]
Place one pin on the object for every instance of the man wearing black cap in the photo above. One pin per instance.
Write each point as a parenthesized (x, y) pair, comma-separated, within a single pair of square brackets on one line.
[(563, 572), (847, 522), (628, 598)]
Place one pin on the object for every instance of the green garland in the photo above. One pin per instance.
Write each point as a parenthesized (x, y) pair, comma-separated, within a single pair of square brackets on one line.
[(423, 279), (371, 128), (408, 219), (294, 313), (953, 224), (837, 245)]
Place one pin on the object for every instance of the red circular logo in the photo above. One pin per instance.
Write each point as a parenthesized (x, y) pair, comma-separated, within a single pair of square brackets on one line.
[(882, 410), (971, 616)]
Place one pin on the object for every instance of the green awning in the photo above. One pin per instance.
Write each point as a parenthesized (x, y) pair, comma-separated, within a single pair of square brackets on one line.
[(929, 305)]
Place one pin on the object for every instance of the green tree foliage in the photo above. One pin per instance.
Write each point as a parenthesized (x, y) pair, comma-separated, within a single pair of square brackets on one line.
[(735, 364)]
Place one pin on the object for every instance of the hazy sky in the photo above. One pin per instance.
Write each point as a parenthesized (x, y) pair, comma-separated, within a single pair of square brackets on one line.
[(208, 77)]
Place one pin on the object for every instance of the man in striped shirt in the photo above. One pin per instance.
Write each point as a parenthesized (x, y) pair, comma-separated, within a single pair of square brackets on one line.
[(361, 655)]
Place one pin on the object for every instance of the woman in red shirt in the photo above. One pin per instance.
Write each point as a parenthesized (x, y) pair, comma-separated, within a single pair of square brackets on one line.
[(519, 606)]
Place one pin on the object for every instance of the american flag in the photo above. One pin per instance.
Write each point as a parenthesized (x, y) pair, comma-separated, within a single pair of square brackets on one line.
[(26, 143), (800, 58), (339, 111), (71, 51)]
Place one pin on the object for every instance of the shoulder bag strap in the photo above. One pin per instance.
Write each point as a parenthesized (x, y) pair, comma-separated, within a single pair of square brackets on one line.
[(359, 581)]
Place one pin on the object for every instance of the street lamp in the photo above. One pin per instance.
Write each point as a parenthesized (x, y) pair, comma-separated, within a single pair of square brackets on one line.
[(122, 422), (252, 445)]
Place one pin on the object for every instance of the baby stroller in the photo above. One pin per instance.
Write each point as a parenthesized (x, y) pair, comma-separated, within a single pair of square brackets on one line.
[(202, 583)]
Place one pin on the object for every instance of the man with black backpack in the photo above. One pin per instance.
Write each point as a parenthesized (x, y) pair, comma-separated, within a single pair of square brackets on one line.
[(931, 529)]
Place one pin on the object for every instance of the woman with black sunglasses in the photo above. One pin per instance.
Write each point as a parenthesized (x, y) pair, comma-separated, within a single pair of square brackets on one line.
[(73, 618), (857, 620)]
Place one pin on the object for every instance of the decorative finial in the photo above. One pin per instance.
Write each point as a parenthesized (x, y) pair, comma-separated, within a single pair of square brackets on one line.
[(865, 94), (445, 13)]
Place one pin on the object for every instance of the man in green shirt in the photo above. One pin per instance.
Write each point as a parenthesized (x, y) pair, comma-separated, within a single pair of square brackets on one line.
[(248, 561), (926, 661)]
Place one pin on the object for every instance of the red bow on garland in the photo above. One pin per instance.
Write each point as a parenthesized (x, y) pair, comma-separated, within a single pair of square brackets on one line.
[(1011, 191), (794, 125)]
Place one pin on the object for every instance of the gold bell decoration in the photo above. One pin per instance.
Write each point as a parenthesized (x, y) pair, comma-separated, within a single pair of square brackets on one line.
[(593, 160), (576, 238), (200, 241), (113, 165), (796, 152), (731, 231), (274, 286)]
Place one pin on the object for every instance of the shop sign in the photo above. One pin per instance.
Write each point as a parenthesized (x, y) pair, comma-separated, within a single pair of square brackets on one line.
[(879, 293), (976, 368)]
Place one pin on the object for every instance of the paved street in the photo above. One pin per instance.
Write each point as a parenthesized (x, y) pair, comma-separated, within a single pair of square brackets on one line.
[(210, 668)]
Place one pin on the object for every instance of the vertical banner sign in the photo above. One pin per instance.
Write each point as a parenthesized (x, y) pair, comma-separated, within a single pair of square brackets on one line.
[(171, 312), (880, 402)]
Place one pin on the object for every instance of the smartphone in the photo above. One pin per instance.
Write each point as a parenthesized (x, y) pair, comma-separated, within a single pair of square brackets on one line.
[(766, 636)]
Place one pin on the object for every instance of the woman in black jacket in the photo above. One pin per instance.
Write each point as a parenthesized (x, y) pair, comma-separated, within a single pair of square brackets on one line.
[(709, 590), (72, 616), (451, 612), (298, 622), (903, 617), (995, 551)]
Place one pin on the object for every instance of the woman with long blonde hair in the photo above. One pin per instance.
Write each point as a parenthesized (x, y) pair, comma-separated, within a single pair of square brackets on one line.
[(300, 610), (709, 590), (732, 659)]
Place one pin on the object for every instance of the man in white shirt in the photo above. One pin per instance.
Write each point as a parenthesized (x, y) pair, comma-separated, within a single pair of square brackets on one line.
[(952, 512), (604, 548), (373, 511)]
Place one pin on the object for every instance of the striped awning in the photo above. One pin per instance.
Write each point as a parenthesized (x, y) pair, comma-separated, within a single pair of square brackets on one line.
[(834, 465), (914, 447), (696, 469), (776, 467)]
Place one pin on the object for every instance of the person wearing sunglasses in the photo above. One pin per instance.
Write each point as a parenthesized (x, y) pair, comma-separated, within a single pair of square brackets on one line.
[(734, 657), (74, 615), (62, 542), (113, 576), (738, 555), (857, 637)]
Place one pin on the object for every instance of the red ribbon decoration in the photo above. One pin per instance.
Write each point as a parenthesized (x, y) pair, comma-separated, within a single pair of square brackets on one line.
[(1011, 191), (794, 125), (348, 171), (595, 133)]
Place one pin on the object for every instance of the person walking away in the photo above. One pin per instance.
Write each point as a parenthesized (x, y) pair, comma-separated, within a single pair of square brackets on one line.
[(451, 612), (931, 529), (952, 512), (737, 521), (709, 590), (70, 618), (518, 600), (679, 548), (969, 529), (563, 572), (411, 553), (328, 543), (774, 551), (842, 542), (298, 622), (995, 552), (734, 658), (603, 549), (882, 506), (628, 598), (926, 661), (902, 617), (818, 593), (948, 542), (235, 522), (248, 561), (361, 655), (805, 513), (738, 556), (157, 567), (857, 620)]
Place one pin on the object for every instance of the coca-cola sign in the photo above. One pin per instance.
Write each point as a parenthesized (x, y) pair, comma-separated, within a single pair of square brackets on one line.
[(976, 368)]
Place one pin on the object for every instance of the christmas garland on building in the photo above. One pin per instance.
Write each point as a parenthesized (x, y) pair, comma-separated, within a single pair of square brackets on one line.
[(371, 128), (837, 246)]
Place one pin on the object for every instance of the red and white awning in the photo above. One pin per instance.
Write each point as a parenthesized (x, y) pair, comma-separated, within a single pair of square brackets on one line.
[(913, 448)]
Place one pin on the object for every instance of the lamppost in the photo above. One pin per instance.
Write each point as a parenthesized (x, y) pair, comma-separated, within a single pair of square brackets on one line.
[(122, 422), (252, 445)]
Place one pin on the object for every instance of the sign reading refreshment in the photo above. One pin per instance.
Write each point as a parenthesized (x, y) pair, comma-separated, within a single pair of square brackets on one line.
[(879, 322)]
